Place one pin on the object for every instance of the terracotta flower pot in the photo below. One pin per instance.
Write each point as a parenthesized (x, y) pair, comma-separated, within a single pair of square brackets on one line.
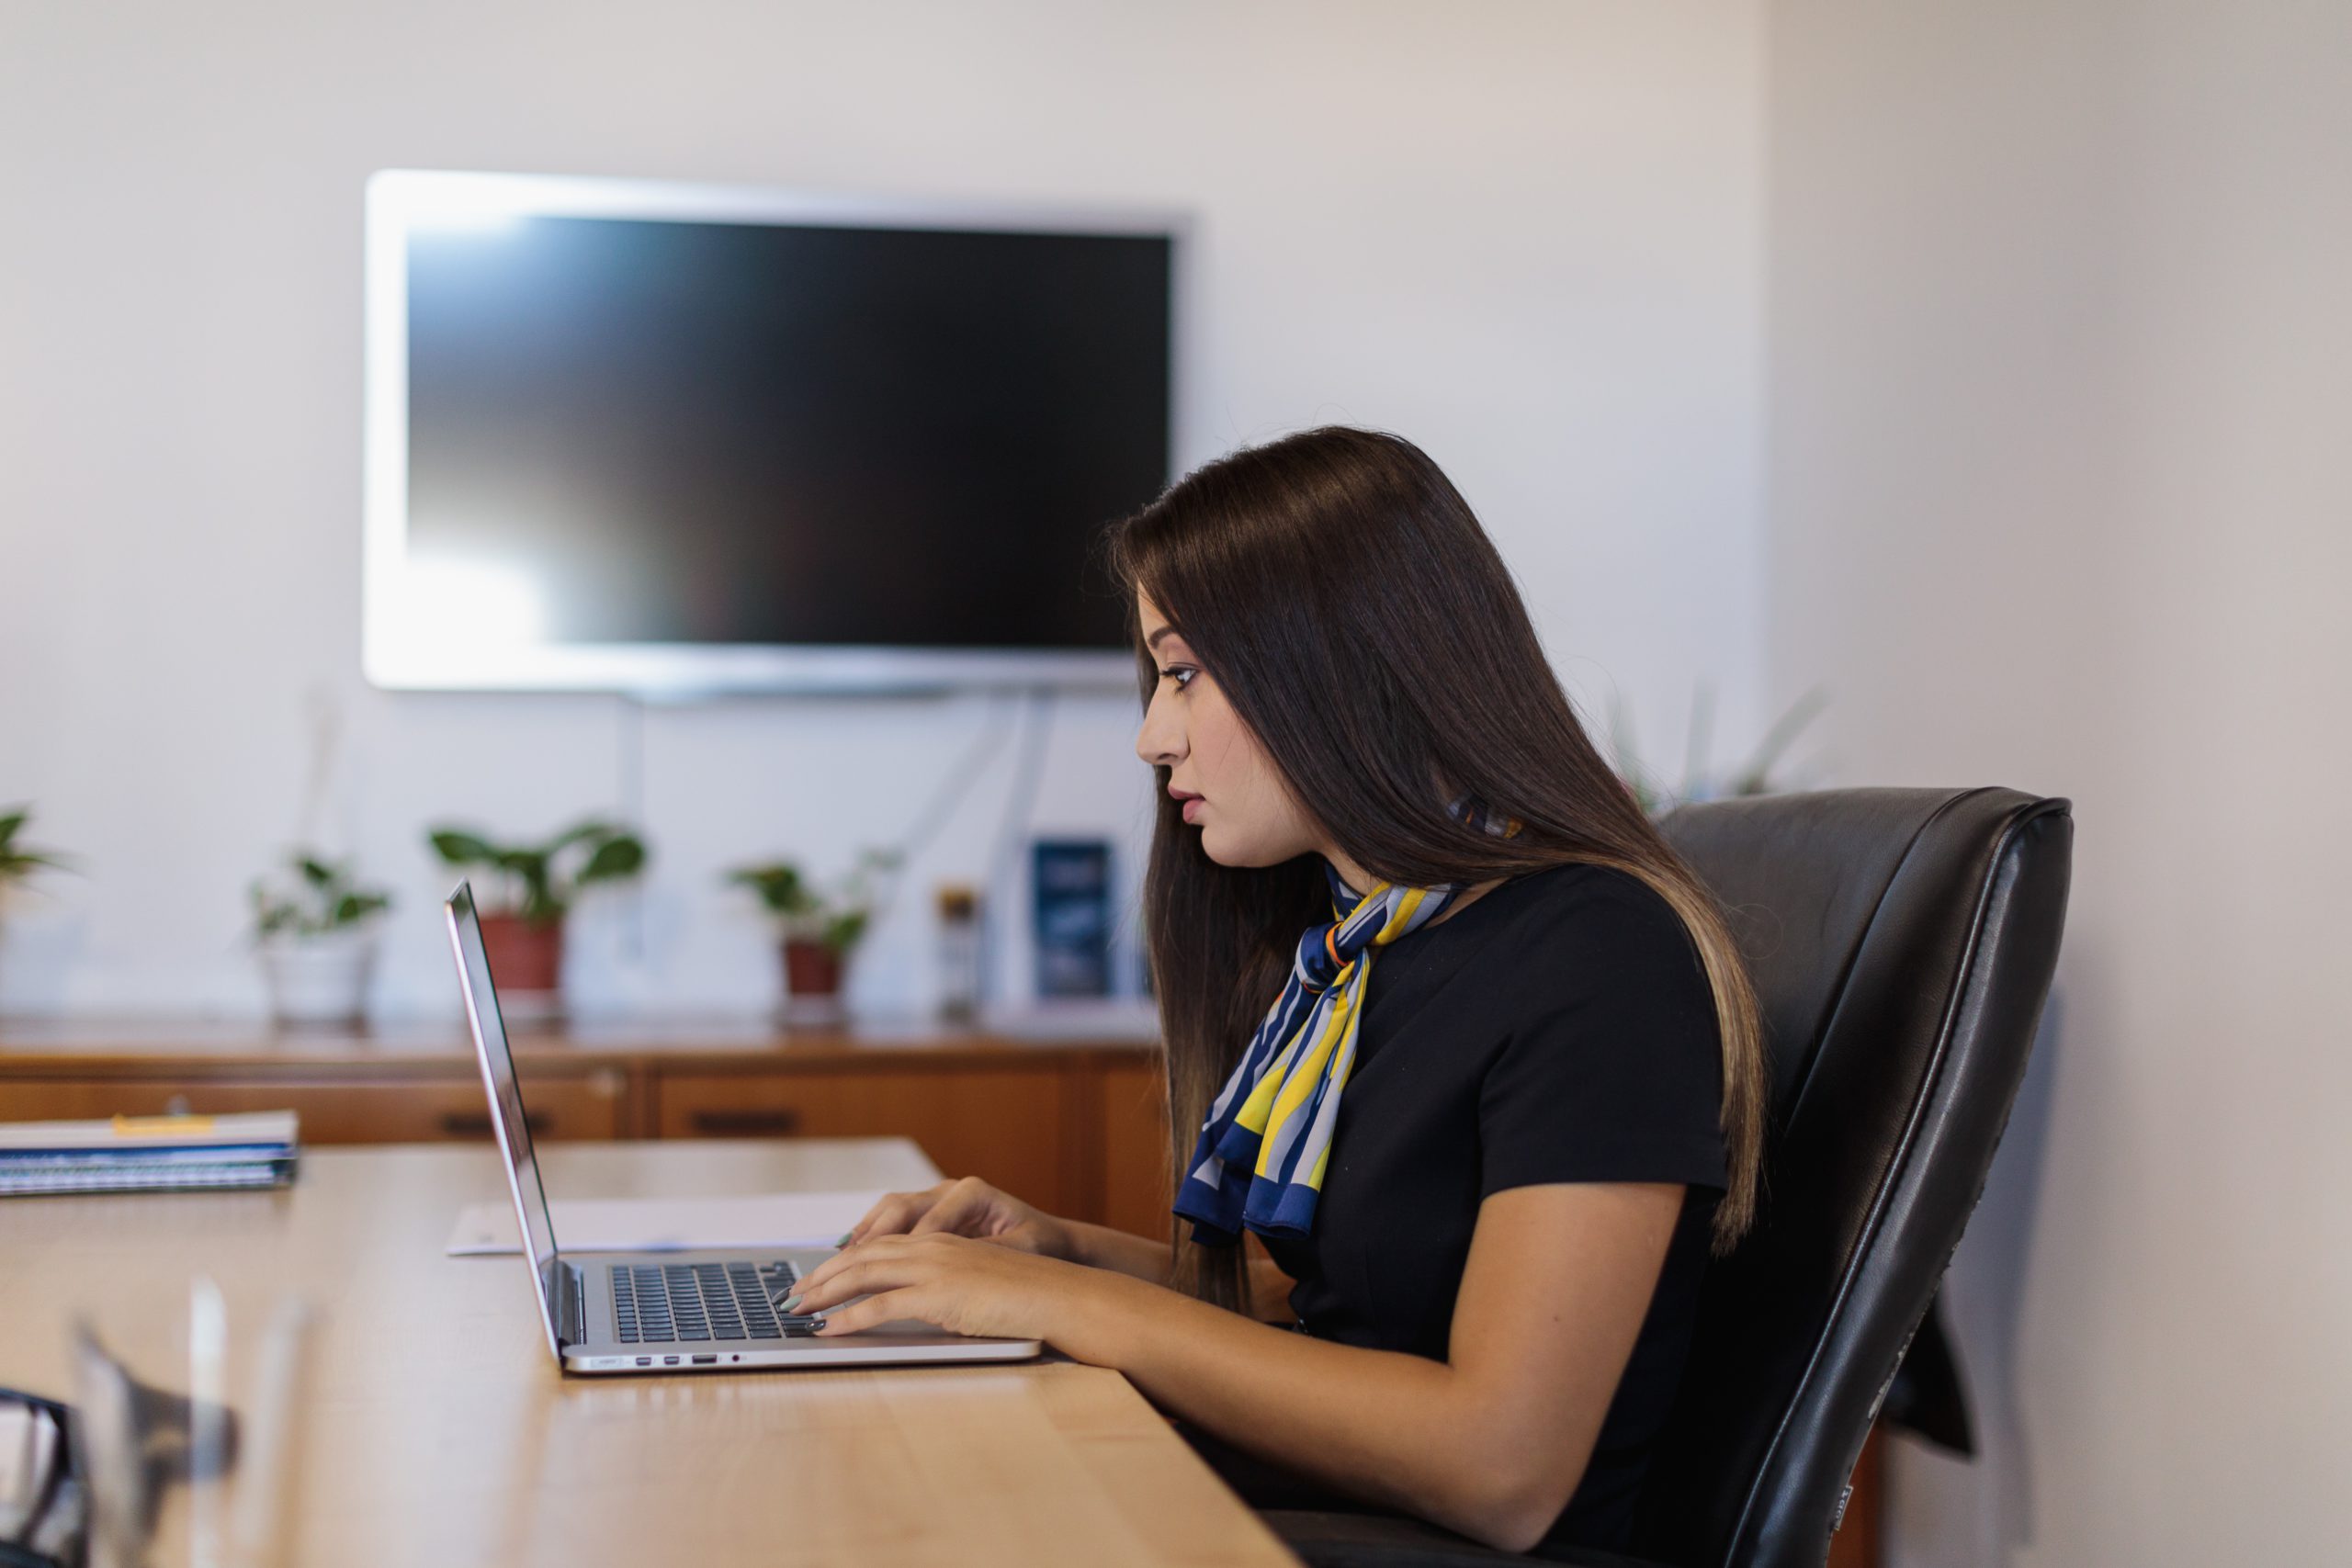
[(812, 982), (527, 963)]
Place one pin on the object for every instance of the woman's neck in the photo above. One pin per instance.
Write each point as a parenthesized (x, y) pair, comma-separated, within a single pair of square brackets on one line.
[(1464, 899), (1355, 876)]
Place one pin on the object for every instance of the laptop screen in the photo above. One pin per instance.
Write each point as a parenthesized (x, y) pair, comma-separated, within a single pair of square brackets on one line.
[(507, 1119)]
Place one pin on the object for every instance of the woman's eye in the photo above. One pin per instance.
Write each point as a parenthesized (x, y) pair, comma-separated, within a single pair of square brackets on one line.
[(1181, 673)]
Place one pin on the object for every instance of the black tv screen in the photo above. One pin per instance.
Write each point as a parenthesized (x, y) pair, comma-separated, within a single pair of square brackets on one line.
[(761, 434)]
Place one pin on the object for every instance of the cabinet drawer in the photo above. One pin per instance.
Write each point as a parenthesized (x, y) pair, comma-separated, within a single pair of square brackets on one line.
[(382, 1112), (1009, 1126), (1134, 1132)]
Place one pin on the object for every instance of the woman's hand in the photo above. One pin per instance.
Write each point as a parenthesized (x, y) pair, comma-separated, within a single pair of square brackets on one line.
[(966, 1208), (964, 1284)]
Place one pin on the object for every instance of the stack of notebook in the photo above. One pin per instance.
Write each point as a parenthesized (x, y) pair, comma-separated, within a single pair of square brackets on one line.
[(148, 1154)]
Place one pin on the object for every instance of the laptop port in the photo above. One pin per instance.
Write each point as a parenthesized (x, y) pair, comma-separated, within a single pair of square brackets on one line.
[(645, 1361), (669, 1360), (705, 1360)]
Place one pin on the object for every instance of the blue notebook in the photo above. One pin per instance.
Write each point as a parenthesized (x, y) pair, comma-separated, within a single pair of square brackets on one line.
[(149, 1153)]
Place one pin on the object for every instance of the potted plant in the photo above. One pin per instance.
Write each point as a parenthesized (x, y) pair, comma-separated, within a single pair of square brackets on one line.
[(819, 929), (18, 863), (530, 889), (316, 932), (1751, 777)]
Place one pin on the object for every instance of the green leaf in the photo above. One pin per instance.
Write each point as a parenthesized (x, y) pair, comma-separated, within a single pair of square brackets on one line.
[(14, 864), (352, 907), (779, 885), (530, 868), (459, 848), (843, 931), (595, 828), (316, 871), (271, 914), (615, 858)]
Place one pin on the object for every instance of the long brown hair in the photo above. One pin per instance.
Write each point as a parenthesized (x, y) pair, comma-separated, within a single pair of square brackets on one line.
[(1361, 625)]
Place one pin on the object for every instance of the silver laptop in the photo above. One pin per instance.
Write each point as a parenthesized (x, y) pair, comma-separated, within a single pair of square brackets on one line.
[(665, 1312)]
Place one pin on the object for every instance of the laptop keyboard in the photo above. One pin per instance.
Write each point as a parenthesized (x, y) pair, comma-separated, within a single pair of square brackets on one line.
[(656, 1302)]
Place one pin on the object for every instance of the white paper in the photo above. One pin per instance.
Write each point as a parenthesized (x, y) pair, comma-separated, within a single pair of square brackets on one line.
[(670, 1225)]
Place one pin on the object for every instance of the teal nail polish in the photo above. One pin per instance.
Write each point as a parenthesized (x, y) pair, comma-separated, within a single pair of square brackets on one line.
[(790, 1301), (842, 1240)]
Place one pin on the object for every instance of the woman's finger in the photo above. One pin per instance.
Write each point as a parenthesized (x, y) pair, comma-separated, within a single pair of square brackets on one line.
[(876, 1264), (893, 1213), (963, 1202), (823, 1294), (814, 1286), (888, 1307), (1025, 1237)]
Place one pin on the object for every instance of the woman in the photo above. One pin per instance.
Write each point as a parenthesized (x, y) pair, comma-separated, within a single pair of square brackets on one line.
[(1486, 1127)]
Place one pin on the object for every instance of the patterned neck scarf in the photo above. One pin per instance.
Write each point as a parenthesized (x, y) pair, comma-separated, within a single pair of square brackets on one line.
[(1259, 1159)]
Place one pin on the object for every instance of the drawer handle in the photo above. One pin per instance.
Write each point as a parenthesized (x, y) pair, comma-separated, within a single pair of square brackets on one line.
[(476, 1123), (743, 1123)]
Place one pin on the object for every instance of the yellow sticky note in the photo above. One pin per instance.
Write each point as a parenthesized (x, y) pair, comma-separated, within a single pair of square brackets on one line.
[(159, 1126)]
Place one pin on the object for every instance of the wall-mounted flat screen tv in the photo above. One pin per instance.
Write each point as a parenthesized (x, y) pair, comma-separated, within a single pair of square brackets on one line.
[(668, 438)]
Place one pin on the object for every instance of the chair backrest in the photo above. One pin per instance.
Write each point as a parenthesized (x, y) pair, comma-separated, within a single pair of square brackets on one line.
[(1901, 943)]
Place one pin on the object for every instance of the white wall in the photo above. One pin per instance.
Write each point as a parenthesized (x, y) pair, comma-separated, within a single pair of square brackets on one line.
[(1525, 234), (2061, 385)]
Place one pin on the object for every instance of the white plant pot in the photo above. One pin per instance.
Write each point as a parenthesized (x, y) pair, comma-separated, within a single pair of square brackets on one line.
[(322, 979)]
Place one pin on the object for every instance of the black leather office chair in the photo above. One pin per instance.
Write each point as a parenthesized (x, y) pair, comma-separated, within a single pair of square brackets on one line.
[(1901, 943)]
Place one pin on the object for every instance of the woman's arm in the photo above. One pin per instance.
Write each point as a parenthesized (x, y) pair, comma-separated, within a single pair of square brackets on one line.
[(1100, 1247), (1104, 1248), (1490, 1441)]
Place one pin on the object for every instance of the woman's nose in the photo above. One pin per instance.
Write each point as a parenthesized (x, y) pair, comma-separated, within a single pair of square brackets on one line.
[(1160, 742)]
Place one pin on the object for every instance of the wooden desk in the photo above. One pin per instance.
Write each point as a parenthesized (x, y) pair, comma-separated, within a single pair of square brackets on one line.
[(437, 1430)]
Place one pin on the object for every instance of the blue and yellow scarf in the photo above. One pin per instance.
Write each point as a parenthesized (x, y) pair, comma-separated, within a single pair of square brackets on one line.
[(1263, 1149)]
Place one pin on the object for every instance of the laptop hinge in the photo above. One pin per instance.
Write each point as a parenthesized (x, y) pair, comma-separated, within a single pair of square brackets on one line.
[(570, 1303)]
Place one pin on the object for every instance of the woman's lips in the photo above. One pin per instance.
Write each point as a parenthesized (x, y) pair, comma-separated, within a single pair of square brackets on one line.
[(1191, 806)]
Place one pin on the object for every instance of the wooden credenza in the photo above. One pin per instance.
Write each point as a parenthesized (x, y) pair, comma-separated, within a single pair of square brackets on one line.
[(1074, 1127)]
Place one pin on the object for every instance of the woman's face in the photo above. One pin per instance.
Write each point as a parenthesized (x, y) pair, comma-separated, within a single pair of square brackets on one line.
[(1246, 813)]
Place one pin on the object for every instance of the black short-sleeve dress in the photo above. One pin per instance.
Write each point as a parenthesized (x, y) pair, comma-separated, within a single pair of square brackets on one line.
[(1558, 1029)]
